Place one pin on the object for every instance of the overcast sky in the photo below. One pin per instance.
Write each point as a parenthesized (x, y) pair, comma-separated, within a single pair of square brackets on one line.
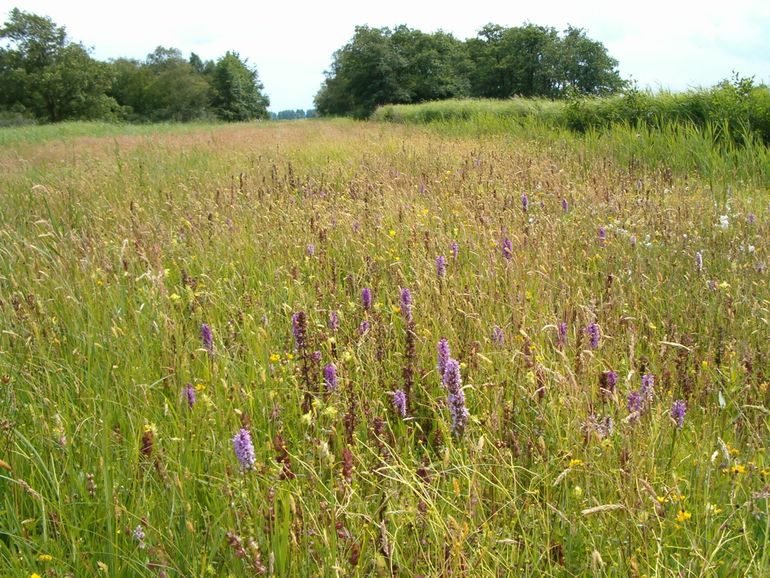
[(660, 44)]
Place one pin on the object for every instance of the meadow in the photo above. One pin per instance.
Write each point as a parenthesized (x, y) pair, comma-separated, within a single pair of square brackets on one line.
[(338, 348)]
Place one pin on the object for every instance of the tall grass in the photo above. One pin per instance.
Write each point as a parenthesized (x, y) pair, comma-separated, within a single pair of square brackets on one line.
[(115, 250)]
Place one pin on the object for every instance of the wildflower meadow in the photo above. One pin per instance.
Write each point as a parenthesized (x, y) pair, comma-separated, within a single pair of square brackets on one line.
[(338, 348)]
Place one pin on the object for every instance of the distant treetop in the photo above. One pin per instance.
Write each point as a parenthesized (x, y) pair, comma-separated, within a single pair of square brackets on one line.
[(381, 66)]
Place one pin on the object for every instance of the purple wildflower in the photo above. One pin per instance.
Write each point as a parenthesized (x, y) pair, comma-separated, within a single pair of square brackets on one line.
[(315, 357), (635, 402), (507, 248), (334, 320), (602, 235), (524, 202), (455, 397), (442, 357), (299, 329), (366, 298), (364, 327), (189, 393), (207, 337), (440, 266), (752, 218), (330, 377), (498, 337), (562, 340), (406, 303), (593, 335), (244, 449), (677, 412), (139, 536), (399, 402), (564, 205), (310, 250), (608, 381), (455, 248), (648, 387), (699, 261)]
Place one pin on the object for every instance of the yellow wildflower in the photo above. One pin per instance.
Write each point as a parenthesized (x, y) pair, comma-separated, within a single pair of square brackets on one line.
[(45, 557), (275, 358), (574, 463), (738, 469), (683, 516), (392, 233)]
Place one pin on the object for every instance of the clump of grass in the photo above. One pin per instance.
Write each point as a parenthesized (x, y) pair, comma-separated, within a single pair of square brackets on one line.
[(114, 251)]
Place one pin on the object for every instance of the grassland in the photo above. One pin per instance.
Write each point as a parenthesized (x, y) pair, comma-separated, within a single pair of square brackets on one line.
[(593, 287)]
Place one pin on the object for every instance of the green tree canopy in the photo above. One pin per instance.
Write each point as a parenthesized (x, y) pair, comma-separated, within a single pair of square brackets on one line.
[(237, 91), (44, 74), (403, 65)]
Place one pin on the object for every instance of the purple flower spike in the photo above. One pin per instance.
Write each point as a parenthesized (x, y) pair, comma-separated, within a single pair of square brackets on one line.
[(635, 402), (677, 412), (364, 327), (315, 357), (442, 357), (310, 250), (207, 337), (299, 329), (562, 340), (498, 337), (399, 402), (699, 261), (455, 397), (507, 248), (602, 235), (189, 393), (366, 298), (524, 202), (608, 381), (406, 304), (564, 205), (594, 335), (648, 387), (330, 377), (334, 320), (244, 449), (455, 248), (440, 266)]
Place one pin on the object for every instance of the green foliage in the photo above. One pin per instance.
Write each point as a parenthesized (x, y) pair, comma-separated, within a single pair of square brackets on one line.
[(403, 65), (237, 90), (45, 75), (737, 110)]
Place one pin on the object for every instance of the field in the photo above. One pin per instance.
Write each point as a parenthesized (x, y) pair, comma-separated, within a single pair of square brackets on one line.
[(221, 352)]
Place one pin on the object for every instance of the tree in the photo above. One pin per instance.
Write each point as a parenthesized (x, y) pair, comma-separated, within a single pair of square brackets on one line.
[(583, 66), (380, 66), (237, 92), (42, 72)]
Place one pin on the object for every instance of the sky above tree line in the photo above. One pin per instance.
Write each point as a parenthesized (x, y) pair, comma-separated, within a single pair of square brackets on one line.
[(659, 44)]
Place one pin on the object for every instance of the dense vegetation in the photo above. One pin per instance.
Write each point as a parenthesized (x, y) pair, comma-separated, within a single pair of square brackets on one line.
[(738, 110), (221, 353), (404, 65), (45, 76)]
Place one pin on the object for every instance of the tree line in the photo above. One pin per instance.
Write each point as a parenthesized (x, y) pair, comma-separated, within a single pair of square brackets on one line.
[(46, 76), (403, 65)]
